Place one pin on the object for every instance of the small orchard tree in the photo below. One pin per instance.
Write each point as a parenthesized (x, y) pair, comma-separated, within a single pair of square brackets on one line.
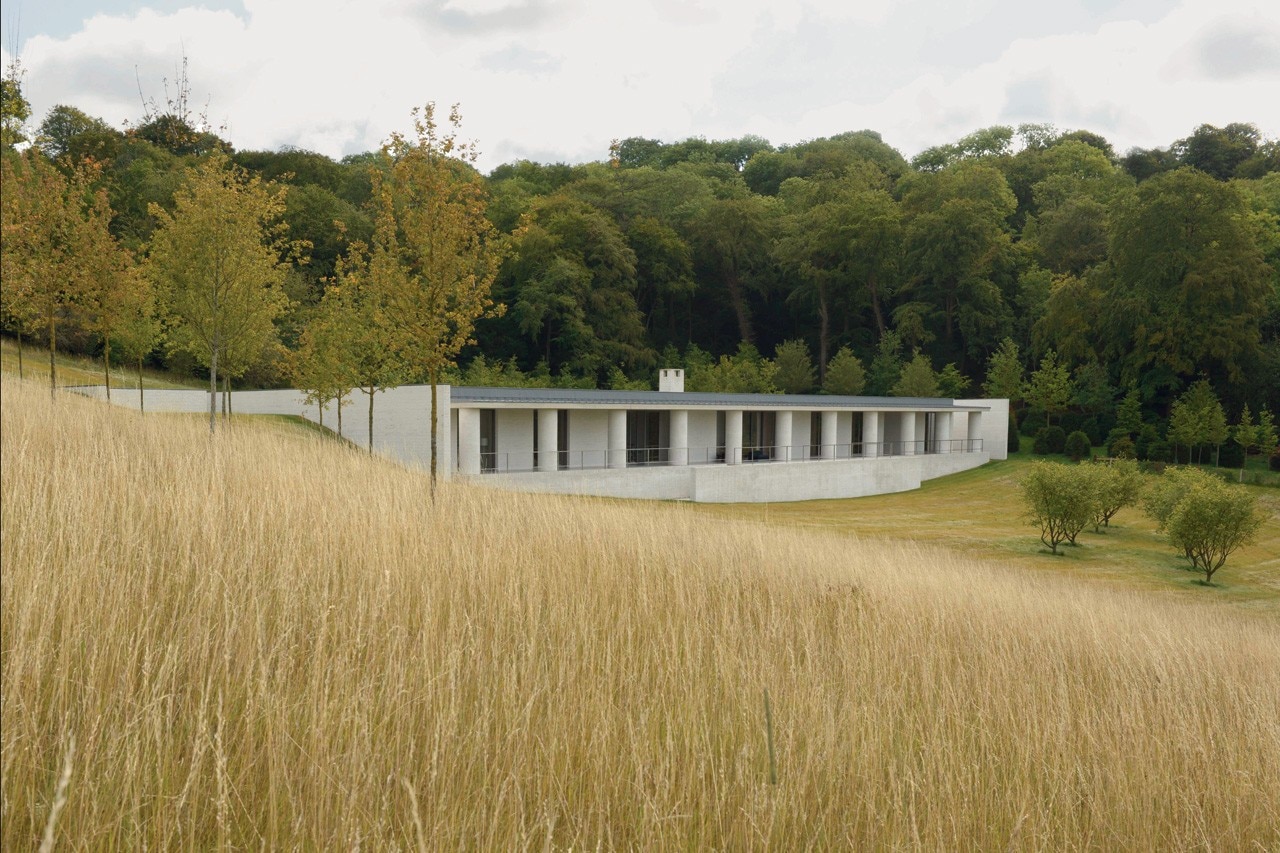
[(1119, 484), (1167, 490), (845, 374), (1212, 520), (1060, 500)]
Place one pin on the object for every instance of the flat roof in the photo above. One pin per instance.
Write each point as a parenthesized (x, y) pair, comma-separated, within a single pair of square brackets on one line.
[(581, 397)]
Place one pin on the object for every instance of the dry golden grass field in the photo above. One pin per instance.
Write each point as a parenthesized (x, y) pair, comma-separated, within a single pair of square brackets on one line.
[(267, 640)]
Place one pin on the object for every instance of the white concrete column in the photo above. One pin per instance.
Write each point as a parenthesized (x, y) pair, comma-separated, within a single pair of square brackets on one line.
[(871, 434), (908, 433), (548, 440), (782, 422), (829, 421), (678, 453), (733, 436), (942, 422), (469, 442), (617, 438), (975, 432)]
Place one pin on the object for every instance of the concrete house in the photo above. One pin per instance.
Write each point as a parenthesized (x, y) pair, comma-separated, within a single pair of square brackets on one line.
[(666, 444)]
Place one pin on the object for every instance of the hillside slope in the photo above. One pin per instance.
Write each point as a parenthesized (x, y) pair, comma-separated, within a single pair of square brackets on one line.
[(266, 639)]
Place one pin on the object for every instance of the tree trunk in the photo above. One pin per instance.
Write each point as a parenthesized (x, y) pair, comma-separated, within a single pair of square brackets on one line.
[(21, 375), (372, 389), (740, 309), (141, 401), (213, 389), (874, 288), (434, 437), (53, 365), (824, 333), (106, 364), (338, 402)]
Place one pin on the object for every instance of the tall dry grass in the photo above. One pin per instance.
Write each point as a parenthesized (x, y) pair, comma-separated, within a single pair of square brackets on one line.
[(265, 640)]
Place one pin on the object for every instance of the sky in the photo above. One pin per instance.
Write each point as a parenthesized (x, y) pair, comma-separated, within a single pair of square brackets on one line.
[(557, 80)]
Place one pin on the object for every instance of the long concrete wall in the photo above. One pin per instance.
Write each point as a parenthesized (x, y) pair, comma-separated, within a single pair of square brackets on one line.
[(748, 483), (401, 416)]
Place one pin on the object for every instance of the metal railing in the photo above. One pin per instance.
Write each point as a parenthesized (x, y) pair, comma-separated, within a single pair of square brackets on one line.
[(513, 462)]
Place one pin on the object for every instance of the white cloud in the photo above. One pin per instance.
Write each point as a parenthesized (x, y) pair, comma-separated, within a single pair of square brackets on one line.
[(557, 79)]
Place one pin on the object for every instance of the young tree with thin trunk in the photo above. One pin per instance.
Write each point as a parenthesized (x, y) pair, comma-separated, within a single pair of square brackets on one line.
[(48, 220), (1049, 388), (220, 260), (114, 289), (435, 254)]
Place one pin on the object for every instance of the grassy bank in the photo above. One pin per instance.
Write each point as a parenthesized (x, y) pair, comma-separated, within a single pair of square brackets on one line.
[(980, 513), (269, 640), (78, 370)]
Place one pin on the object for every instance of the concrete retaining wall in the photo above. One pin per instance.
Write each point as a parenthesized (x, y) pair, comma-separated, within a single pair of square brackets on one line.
[(747, 483)]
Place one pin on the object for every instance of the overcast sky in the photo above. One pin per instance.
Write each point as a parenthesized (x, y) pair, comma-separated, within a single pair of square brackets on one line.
[(556, 80)]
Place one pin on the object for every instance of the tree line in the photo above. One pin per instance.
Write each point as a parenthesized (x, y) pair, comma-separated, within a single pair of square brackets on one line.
[(833, 265)]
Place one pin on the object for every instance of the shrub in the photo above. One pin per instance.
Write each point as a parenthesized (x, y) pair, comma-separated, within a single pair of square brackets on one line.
[(1060, 500), (1119, 484), (1159, 451), (1077, 446), (1032, 423), (1210, 521), (1123, 448), (1049, 440)]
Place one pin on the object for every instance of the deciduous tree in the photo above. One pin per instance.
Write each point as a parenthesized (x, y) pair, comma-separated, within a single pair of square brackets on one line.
[(1060, 500), (220, 260), (434, 250)]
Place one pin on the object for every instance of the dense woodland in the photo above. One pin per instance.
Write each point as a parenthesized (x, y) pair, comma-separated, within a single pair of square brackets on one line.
[(1134, 279)]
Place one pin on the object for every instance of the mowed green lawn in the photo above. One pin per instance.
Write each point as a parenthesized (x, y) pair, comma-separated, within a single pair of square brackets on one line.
[(980, 513)]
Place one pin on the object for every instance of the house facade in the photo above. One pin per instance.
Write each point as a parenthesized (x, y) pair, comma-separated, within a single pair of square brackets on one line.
[(667, 444)]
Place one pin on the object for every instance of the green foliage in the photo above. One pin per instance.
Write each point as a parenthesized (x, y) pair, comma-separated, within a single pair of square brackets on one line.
[(1190, 286), (1050, 439), (743, 373), (1197, 418), (793, 368), (952, 383), (1049, 387), (886, 365), (1059, 499), (14, 108), (1123, 448), (1004, 373), (845, 374), (917, 379), (219, 261), (1210, 520), (1077, 446), (1129, 412), (1119, 484)]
